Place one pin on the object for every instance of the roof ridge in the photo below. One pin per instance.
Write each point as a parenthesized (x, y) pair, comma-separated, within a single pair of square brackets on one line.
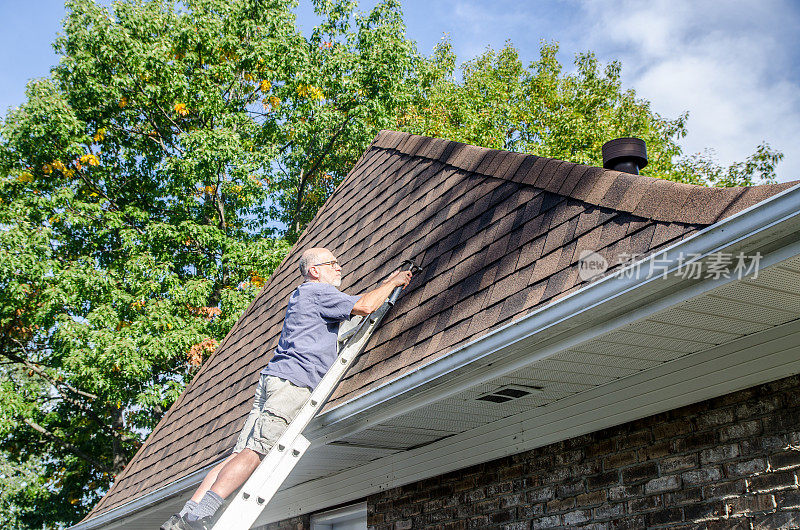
[(648, 197)]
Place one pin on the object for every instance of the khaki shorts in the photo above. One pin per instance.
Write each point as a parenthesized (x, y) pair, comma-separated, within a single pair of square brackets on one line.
[(277, 402)]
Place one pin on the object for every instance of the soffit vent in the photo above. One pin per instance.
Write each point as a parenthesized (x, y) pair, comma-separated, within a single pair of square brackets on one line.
[(509, 393)]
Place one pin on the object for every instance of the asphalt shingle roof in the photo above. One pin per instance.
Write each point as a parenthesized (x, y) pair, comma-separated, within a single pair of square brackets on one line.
[(498, 235)]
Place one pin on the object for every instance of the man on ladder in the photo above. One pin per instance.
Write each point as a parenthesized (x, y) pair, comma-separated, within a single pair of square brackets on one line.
[(306, 349)]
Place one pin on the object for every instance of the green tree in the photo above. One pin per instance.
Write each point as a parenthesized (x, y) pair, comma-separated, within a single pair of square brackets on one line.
[(140, 187), (497, 102)]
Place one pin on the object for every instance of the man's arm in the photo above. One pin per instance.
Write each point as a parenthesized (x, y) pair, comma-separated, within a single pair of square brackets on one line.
[(372, 300)]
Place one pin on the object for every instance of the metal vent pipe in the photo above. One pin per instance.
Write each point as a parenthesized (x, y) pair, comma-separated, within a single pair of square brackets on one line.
[(628, 155)]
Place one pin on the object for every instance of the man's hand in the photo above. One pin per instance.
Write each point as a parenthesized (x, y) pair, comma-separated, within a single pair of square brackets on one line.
[(399, 278), (372, 300)]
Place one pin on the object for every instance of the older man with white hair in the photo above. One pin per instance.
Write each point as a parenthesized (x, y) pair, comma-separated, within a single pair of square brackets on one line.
[(306, 349)]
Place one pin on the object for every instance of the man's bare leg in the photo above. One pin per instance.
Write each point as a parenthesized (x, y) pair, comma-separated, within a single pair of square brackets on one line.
[(208, 481), (235, 472)]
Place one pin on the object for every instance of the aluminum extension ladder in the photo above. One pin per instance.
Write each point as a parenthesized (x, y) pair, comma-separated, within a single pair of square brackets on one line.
[(256, 493)]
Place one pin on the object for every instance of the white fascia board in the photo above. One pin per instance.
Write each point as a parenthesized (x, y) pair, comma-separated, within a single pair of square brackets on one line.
[(772, 225)]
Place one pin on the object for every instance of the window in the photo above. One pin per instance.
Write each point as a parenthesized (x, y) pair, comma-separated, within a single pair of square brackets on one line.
[(352, 517)]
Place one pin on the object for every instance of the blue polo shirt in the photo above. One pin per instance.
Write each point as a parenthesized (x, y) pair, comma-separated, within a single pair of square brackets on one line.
[(307, 347)]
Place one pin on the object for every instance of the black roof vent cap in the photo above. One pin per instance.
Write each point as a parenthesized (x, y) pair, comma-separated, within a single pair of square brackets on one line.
[(628, 155)]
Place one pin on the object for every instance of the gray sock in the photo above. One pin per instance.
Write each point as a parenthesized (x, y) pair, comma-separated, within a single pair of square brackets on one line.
[(207, 506), (189, 506)]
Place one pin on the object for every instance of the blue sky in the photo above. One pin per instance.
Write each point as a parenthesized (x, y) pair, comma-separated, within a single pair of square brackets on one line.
[(734, 65)]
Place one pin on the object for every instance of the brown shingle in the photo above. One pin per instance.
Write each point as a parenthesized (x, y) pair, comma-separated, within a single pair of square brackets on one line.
[(525, 167), (704, 205)]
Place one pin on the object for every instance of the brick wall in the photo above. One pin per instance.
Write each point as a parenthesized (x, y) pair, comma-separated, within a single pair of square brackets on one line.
[(302, 522), (730, 462)]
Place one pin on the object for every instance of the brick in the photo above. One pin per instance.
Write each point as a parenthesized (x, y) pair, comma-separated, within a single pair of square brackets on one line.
[(433, 505), (530, 511), (715, 418), (672, 429), (662, 484), (778, 520), (570, 488), (774, 443), (481, 521), (785, 460), (656, 450), (695, 441), (618, 493), (522, 525), (740, 430), (609, 511), (602, 480), (760, 407), (438, 517), (590, 499), (475, 495), (485, 507), (512, 500), (639, 472), (702, 476), (683, 496), (719, 454), (670, 515), (724, 489), (749, 504), (577, 517), (644, 504), (498, 489), (752, 447), (569, 457), (595, 526), (634, 439), (405, 524), (705, 511), (505, 516), (629, 523), (739, 523), (787, 500), (772, 481), (619, 459), (677, 463), (514, 471), (551, 521), (747, 467), (599, 448), (542, 494), (560, 505)]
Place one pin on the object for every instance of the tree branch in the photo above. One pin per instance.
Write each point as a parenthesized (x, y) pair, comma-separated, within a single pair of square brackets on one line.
[(40, 372), (38, 428)]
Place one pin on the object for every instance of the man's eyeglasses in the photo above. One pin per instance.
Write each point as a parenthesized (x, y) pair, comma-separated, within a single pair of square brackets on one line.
[(332, 263)]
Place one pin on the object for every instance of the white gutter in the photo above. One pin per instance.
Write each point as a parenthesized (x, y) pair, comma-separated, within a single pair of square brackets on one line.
[(770, 227)]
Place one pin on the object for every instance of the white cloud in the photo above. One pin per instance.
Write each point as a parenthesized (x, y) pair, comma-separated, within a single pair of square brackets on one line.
[(733, 66)]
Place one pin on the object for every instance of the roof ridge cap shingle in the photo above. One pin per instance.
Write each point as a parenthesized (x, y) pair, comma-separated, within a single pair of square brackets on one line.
[(644, 196)]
